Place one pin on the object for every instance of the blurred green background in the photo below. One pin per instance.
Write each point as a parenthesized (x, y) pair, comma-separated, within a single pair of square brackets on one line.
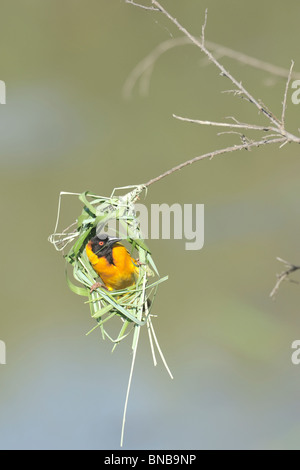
[(66, 126)]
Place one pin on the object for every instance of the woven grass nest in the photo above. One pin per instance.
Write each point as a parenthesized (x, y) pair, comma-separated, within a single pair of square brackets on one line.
[(132, 307)]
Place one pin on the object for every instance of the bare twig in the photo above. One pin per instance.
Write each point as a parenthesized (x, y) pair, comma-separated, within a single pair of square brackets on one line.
[(141, 6), (210, 155), (238, 125), (222, 69), (277, 126), (284, 276), (279, 133), (284, 104), (203, 28), (245, 59), (260, 106)]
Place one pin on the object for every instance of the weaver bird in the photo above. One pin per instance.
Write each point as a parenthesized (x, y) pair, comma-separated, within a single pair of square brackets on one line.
[(112, 262)]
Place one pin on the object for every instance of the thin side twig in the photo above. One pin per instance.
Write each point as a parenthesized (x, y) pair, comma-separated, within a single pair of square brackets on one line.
[(130, 2), (284, 104), (210, 155), (284, 275), (203, 27), (237, 125)]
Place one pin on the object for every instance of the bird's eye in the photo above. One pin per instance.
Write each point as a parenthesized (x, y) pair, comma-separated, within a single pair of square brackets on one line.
[(101, 243)]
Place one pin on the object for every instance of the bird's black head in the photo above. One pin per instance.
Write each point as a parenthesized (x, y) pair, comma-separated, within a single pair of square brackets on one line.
[(102, 244)]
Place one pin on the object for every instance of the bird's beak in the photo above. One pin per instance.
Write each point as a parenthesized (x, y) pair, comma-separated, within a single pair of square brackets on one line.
[(113, 240)]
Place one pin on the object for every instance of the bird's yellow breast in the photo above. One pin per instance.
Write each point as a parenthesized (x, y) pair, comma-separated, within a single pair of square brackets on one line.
[(119, 274)]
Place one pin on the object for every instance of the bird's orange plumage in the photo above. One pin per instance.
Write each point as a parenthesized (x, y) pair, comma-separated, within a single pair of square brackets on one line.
[(113, 263)]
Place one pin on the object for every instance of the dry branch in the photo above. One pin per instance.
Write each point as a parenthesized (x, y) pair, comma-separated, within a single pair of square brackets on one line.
[(284, 275), (275, 132), (276, 128), (210, 155)]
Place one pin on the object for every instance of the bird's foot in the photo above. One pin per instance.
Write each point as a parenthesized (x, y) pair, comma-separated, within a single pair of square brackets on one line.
[(96, 285), (139, 263)]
